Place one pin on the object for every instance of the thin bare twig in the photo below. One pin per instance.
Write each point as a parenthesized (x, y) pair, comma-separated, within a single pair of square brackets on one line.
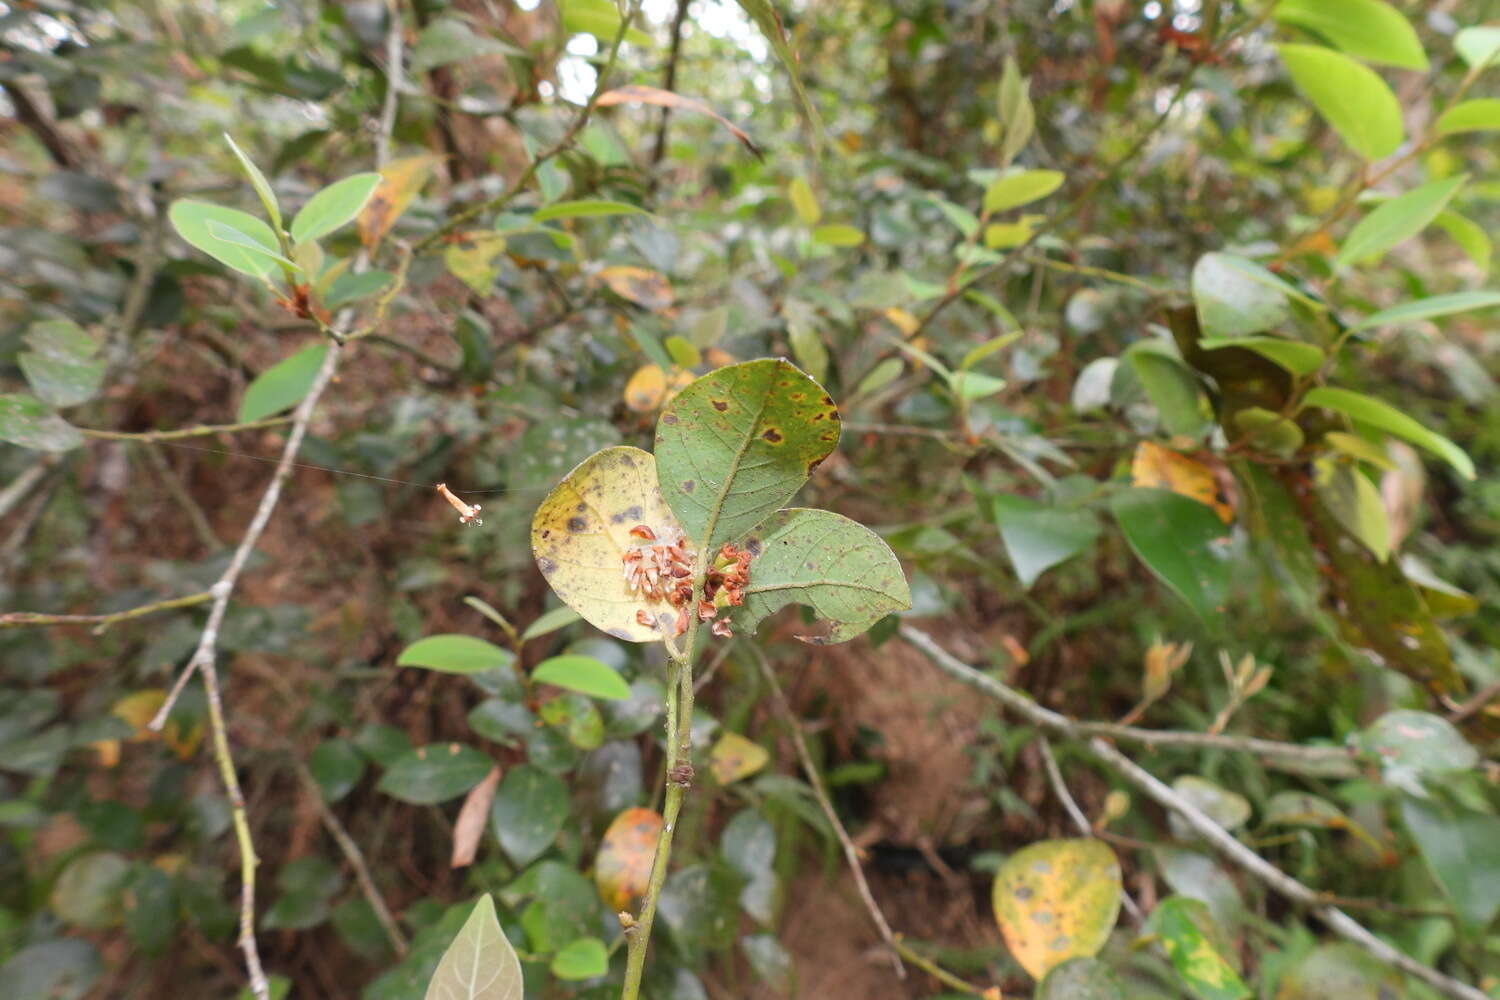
[(1070, 806), (22, 485), (201, 430), (1043, 718), (851, 853), (939, 973), (190, 507), (19, 619)]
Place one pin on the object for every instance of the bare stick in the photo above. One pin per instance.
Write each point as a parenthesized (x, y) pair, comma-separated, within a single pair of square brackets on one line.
[(202, 430), (18, 619), (1070, 806), (1337, 920), (851, 853), (23, 484)]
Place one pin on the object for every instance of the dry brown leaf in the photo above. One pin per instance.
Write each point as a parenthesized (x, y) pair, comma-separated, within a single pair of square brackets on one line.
[(399, 183), (472, 819), (638, 94), (1166, 469)]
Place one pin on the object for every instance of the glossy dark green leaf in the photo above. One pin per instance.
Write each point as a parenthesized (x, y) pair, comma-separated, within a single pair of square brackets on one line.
[(1181, 541), (480, 964), (1038, 536), (337, 767), (283, 385), (529, 809), (435, 773), (1171, 387), (838, 567), (736, 444)]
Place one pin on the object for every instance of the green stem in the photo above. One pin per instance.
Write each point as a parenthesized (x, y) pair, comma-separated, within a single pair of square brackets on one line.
[(679, 777), (179, 433), (17, 619)]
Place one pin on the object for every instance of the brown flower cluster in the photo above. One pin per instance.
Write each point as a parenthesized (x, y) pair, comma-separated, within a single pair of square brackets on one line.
[(663, 571)]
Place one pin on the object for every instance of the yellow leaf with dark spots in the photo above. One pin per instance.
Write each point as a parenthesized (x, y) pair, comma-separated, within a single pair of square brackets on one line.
[(1056, 900)]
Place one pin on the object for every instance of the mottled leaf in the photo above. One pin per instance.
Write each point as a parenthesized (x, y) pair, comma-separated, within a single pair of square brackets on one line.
[(1155, 466), (838, 567), (1412, 746), (1195, 947), (400, 180), (30, 423), (733, 757), (1233, 299), (623, 864), (1056, 900)]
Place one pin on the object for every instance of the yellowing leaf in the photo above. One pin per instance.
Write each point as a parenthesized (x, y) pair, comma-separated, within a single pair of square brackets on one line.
[(139, 708), (804, 201), (902, 320), (1161, 467), (735, 757), (647, 389), (582, 530), (399, 183), (838, 235), (1056, 900), (1004, 235), (623, 864), (644, 287), (472, 259)]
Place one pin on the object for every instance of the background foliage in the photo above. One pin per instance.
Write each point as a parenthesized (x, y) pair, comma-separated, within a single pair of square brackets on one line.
[(1163, 338)]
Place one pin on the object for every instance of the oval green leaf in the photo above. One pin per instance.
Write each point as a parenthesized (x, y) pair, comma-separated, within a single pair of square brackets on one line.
[(530, 808), (837, 234), (585, 958), (1038, 537), (1369, 29), (1478, 46), (583, 674), (1232, 301), (480, 964), (1014, 190), (586, 209), (737, 443), (1397, 220), (1351, 97), (455, 654), (1194, 945), (1462, 848), (1479, 115), (191, 218), (1411, 746), (30, 423), (435, 773), (1057, 900), (1181, 541), (283, 385), (1081, 979), (1384, 416), (336, 205), (1430, 308), (838, 567)]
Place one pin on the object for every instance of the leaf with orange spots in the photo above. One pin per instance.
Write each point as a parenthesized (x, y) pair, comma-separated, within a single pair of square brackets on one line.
[(400, 182), (581, 533), (733, 757), (738, 443), (644, 287), (1161, 467), (1056, 900), (623, 864), (646, 389)]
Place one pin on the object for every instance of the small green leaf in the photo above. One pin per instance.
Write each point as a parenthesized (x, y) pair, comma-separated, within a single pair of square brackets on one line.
[(1181, 541), (1384, 416), (838, 235), (1462, 848), (1193, 945), (838, 567), (586, 209), (337, 767), (336, 205), (258, 181), (1470, 237), (480, 964), (435, 773), (1056, 900), (1081, 979), (30, 423), (1412, 746), (530, 808), (283, 385), (737, 443), (804, 202), (1355, 502), (1429, 308), (61, 381), (191, 218), (1038, 536), (1350, 96), (1013, 190), (585, 958), (1233, 300), (455, 654), (1478, 46), (600, 18), (583, 674), (549, 622), (449, 40), (965, 221), (1480, 115), (1171, 386), (347, 288), (1397, 220), (684, 353), (232, 236), (1368, 29), (89, 892)]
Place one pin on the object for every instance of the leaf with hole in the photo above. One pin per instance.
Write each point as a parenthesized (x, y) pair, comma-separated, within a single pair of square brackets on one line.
[(842, 570), (60, 365), (283, 385), (1351, 97), (480, 964), (1056, 900)]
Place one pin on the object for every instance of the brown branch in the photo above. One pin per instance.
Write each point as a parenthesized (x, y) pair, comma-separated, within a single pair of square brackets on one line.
[(45, 130), (669, 84), (1243, 857)]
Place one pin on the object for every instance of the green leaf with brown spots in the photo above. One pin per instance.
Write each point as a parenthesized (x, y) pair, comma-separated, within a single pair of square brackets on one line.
[(1056, 900), (838, 567), (737, 444), (1193, 943), (582, 530)]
